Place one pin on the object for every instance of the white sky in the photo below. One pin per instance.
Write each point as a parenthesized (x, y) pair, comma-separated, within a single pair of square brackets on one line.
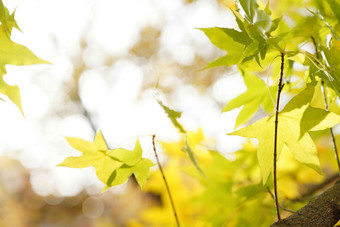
[(52, 30)]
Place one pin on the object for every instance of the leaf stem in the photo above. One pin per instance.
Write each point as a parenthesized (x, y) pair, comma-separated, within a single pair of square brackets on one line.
[(330, 129), (280, 87), (165, 181)]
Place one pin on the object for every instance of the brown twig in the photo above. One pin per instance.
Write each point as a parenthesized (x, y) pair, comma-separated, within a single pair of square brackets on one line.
[(165, 181), (280, 87), (283, 208)]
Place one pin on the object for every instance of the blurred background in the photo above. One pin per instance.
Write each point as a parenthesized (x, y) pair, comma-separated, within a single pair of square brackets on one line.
[(110, 59)]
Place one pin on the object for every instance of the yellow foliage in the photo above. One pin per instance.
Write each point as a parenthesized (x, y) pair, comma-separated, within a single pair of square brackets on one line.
[(232, 193)]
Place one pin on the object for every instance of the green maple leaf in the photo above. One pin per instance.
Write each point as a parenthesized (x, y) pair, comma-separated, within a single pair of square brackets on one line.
[(7, 21), (257, 95), (12, 23), (258, 24), (224, 39), (12, 92), (251, 42), (3, 16), (93, 154), (112, 167), (295, 120), (141, 170), (253, 15), (133, 163), (255, 31), (14, 54), (130, 158), (240, 37)]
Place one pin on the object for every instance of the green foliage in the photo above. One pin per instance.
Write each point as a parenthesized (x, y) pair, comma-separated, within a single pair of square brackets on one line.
[(12, 53), (222, 40), (232, 196), (335, 7), (257, 95), (263, 39), (218, 191), (332, 72), (252, 42), (298, 117), (7, 20), (113, 167), (295, 120)]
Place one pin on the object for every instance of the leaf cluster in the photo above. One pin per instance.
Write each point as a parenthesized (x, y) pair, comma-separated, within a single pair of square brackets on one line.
[(253, 39), (257, 36)]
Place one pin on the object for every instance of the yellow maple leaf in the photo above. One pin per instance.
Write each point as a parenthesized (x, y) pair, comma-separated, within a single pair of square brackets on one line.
[(295, 120)]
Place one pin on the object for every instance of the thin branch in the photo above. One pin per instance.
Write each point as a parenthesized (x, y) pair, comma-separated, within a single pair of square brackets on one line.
[(283, 208), (165, 181), (280, 87), (323, 88), (331, 129)]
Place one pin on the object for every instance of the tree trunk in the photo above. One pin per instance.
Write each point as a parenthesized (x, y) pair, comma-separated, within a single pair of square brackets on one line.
[(323, 211)]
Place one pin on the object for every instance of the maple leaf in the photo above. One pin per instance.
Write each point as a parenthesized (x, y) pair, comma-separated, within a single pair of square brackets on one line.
[(3, 16), (7, 20), (112, 167), (141, 170), (133, 163), (93, 154), (257, 95), (11, 91), (222, 40), (14, 54), (295, 120), (130, 158)]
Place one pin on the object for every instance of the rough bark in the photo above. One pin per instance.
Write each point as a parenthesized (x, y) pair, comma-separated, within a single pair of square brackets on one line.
[(323, 211)]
